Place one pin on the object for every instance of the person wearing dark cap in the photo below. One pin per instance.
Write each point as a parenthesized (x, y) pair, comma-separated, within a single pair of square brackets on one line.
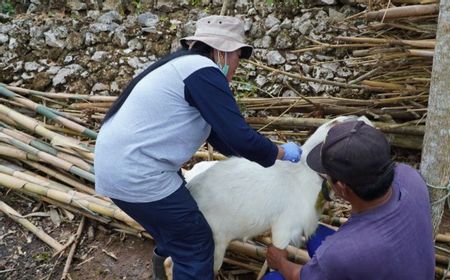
[(160, 120), (389, 233)]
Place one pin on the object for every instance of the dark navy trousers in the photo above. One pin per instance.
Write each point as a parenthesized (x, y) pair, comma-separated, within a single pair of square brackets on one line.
[(180, 231)]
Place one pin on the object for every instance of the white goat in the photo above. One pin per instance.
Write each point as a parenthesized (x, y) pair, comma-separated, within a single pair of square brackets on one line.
[(240, 199)]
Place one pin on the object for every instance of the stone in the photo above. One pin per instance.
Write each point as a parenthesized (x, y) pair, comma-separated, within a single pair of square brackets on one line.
[(135, 44), (41, 81), (148, 20), (114, 87), (13, 44), (263, 42), (289, 93), (305, 27), (335, 16), (102, 27), (90, 39), (112, 5), (76, 5), (68, 59), (288, 67), (261, 80), (283, 40), (275, 58), (100, 87), (36, 32), (31, 66), (52, 41), (3, 39), (291, 57), (27, 76), (110, 17), (248, 22), (271, 21), (93, 14), (286, 24), (66, 72), (99, 56), (273, 32), (5, 28), (4, 17), (53, 70), (74, 41), (119, 38)]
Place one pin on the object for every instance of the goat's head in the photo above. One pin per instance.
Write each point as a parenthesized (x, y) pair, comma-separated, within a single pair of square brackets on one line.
[(321, 133)]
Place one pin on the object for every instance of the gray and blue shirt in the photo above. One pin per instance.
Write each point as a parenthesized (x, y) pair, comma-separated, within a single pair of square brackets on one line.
[(168, 115)]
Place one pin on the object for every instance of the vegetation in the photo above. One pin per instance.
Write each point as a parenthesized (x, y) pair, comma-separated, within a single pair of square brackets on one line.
[(6, 7)]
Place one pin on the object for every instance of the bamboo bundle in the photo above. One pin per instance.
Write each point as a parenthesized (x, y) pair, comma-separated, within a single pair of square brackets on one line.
[(56, 139), (47, 113)]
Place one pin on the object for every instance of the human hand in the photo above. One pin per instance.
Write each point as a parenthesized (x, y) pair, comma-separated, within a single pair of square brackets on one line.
[(276, 257), (292, 152)]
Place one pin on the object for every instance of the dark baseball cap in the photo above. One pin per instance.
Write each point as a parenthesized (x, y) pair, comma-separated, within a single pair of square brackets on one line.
[(354, 153)]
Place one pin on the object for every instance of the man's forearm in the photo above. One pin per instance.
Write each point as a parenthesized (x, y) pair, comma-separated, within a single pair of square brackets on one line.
[(290, 270)]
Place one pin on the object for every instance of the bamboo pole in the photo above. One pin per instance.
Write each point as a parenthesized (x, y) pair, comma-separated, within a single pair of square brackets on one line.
[(56, 139), (17, 217), (58, 175), (73, 198), (405, 11), (48, 113), (42, 146), (61, 95), (53, 160), (427, 43), (33, 179), (316, 122), (307, 79)]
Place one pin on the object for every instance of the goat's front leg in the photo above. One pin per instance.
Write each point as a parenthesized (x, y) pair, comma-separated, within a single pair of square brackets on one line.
[(219, 253)]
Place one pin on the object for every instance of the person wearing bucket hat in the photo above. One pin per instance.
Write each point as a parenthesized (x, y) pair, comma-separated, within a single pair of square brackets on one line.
[(159, 121), (390, 225)]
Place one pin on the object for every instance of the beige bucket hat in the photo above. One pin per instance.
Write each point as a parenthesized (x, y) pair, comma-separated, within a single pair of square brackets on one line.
[(223, 33)]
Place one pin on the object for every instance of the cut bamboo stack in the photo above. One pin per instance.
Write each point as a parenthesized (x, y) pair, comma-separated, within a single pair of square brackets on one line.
[(47, 139)]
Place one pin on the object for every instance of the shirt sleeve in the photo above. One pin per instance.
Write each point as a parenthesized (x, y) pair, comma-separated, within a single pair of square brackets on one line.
[(312, 271), (207, 90)]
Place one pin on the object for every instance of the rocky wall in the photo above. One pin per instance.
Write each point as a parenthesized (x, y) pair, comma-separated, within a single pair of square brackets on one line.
[(96, 47)]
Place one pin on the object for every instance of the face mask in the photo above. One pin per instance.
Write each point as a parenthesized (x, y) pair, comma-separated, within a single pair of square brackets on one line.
[(225, 68)]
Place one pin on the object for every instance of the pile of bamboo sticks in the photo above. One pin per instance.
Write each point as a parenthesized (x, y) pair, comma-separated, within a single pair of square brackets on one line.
[(47, 139)]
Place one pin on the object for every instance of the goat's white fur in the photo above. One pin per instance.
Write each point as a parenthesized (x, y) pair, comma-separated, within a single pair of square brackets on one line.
[(240, 199)]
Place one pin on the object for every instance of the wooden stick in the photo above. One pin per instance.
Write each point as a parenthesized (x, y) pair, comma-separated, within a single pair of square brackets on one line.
[(443, 238), (72, 249), (307, 79), (405, 11), (62, 95), (17, 217), (428, 43), (316, 122), (241, 264), (263, 270)]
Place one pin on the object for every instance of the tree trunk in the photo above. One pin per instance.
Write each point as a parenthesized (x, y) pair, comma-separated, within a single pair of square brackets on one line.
[(435, 165)]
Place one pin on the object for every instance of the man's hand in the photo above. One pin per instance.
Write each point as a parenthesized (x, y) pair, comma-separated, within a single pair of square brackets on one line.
[(276, 257)]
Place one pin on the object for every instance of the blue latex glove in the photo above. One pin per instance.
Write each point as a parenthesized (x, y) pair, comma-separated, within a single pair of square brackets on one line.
[(292, 152)]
